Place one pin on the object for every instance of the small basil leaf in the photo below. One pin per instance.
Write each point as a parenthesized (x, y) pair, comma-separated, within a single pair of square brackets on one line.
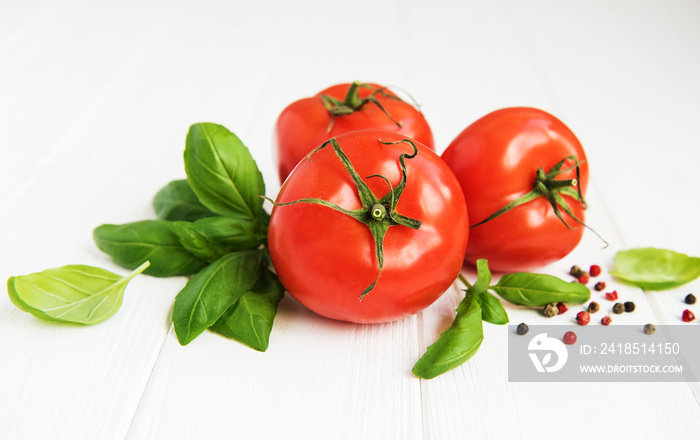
[(221, 171), (177, 201), (655, 269), (457, 344), (198, 244), (235, 233), (154, 240), (483, 276), (538, 290), (208, 294), (75, 293), (250, 319), (491, 309)]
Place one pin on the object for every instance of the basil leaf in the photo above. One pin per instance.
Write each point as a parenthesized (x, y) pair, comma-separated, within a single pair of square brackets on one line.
[(491, 308), (221, 171), (154, 240), (235, 233), (538, 290), (208, 294), (250, 319), (457, 344), (177, 201), (197, 244), (655, 269), (75, 293)]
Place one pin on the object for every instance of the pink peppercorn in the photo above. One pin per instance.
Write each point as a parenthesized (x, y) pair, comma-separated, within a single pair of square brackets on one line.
[(569, 338), (583, 318), (594, 270), (561, 307), (583, 279), (612, 296), (688, 316), (606, 320)]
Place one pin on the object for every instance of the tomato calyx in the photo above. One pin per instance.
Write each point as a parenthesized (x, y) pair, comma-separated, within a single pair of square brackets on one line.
[(353, 102), (546, 185), (378, 214)]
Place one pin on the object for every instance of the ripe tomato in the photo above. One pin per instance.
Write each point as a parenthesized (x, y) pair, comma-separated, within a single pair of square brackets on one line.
[(307, 123), (496, 160), (325, 258)]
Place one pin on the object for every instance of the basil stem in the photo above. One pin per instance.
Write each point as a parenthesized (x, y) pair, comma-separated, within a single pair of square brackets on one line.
[(75, 293), (492, 310), (655, 269)]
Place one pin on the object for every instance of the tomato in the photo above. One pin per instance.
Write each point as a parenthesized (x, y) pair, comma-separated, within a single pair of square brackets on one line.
[(305, 124), (326, 259), (496, 160)]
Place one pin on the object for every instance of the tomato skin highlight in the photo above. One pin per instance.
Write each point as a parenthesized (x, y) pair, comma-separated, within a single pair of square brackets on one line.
[(303, 125), (325, 259), (495, 160)]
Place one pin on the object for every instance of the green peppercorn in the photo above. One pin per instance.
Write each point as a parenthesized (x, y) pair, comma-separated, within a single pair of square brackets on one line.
[(690, 299), (649, 329), (550, 310), (629, 307), (619, 308), (522, 329), (593, 307)]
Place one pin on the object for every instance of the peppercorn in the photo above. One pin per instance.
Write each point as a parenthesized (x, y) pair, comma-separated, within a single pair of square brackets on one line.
[(612, 296), (575, 271), (569, 338), (649, 329), (688, 315), (583, 318), (599, 286), (550, 310), (593, 307), (629, 307), (595, 270), (606, 320), (584, 279), (522, 329), (619, 308), (561, 308), (690, 299)]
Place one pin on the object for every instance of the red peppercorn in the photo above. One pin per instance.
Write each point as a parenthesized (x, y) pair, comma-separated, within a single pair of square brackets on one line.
[(569, 338), (595, 270), (583, 318), (612, 296), (688, 315), (606, 320), (583, 279), (561, 307)]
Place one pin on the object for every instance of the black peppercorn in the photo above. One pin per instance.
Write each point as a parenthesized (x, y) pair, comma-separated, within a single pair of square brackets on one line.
[(575, 271), (649, 329), (599, 286), (522, 329), (619, 308), (593, 307), (629, 306), (690, 299)]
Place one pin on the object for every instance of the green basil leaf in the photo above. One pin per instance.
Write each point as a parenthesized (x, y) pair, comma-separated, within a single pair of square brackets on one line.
[(655, 269), (75, 293), (154, 240), (197, 244), (235, 233), (538, 290), (457, 344), (177, 201), (251, 318), (491, 309), (208, 294), (221, 171)]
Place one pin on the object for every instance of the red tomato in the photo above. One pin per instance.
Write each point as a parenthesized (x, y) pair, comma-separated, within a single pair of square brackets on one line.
[(304, 124), (325, 258), (496, 160)]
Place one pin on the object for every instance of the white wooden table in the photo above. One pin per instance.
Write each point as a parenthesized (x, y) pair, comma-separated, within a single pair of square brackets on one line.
[(95, 102)]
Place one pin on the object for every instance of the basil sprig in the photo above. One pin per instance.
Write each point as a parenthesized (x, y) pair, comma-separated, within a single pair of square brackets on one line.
[(462, 339)]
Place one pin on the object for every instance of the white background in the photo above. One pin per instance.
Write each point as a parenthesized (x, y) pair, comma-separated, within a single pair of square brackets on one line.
[(96, 99)]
